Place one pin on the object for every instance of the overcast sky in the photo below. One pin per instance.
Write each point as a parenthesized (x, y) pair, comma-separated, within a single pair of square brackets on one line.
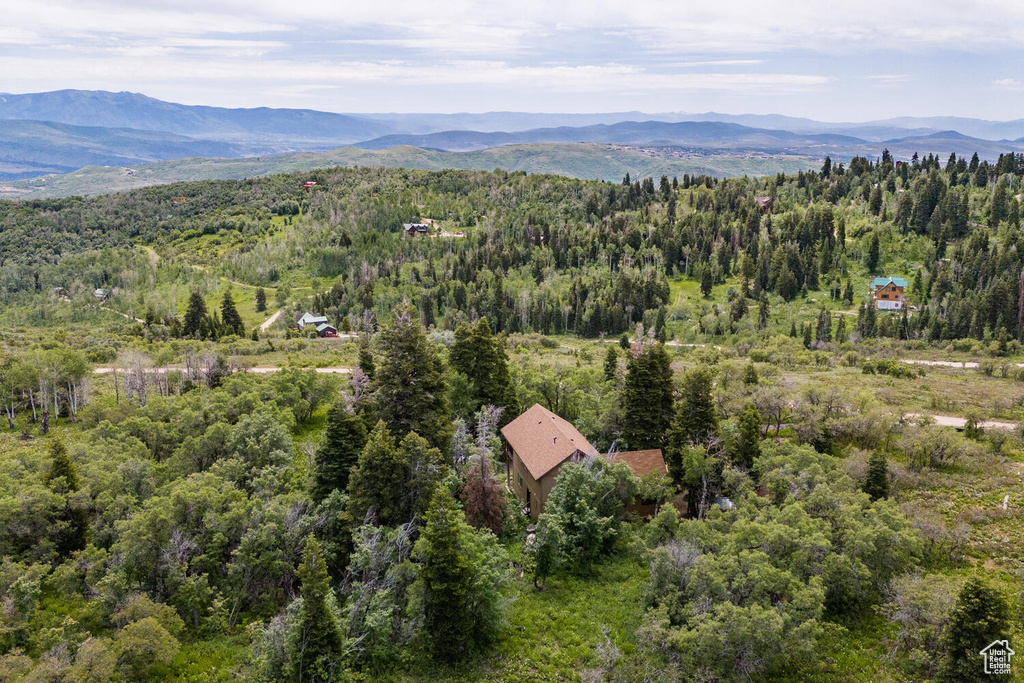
[(836, 61)]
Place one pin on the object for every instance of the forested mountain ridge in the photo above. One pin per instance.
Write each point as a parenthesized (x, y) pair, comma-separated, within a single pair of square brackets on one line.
[(552, 255), (166, 515)]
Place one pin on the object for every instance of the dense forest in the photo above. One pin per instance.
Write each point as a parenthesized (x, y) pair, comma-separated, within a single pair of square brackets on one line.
[(192, 488)]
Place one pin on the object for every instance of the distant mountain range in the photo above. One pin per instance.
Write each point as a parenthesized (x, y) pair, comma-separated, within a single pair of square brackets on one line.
[(62, 131)]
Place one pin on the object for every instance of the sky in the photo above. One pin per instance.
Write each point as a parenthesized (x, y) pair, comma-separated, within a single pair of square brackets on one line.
[(831, 61)]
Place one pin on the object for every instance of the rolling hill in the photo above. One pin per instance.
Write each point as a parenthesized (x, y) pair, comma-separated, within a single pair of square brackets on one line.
[(28, 148), (702, 133), (605, 162), (132, 110)]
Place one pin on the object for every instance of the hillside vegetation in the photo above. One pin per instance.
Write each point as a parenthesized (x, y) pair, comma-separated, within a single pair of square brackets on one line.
[(184, 497), (574, 160)]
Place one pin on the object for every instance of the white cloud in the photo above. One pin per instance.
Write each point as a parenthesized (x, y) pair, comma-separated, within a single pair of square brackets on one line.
[(1007, 83)]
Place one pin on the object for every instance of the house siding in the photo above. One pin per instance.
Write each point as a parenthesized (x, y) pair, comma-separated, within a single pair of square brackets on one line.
[(539, 490)]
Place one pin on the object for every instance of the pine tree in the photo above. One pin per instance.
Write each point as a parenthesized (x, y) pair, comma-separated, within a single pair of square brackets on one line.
[(695, 421), (343, 441), (873, 253), (806, 335), (848, 292), (446, 570), (71, 523), (823, 332), (841, 335), (876, 482), (315, 643), (410, 384), (748, 443), (762, 312), (647, 398), (62, 476), (981, 616), (750, 377), (261, 300), (195, 315), (706, 282), (481, 357), (660, 332), (611, 363), (229, 316)]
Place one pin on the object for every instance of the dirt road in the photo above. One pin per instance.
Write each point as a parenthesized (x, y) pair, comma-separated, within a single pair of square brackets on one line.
[(960, 423), (258, 370), (271, 320)]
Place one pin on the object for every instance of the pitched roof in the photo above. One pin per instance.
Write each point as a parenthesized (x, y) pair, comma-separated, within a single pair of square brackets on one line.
[(643, 462), (325, 326), (543, 440), (883, 281), (310, 319)]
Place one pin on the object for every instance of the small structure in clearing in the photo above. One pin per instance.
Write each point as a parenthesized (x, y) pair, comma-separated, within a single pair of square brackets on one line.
[(887, 293)]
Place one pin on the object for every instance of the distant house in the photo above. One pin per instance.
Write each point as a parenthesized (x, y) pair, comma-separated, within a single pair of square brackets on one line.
[(643, 463), (100, 293), (308, 185), (326, 330), (310, 319), (415, 230), (537, 444), (887, 293), (764, 203)]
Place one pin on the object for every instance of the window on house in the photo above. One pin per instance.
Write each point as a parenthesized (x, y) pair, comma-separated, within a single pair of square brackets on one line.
[(520, 481)]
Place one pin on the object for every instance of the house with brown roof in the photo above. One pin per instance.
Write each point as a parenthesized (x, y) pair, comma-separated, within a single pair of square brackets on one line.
[(537, 444), (643, 464)]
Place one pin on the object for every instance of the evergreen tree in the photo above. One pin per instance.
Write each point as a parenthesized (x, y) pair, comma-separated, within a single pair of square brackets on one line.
[(841, 335), (195, 315), (750, 377), (343, 441), (62, 476), (748, 442), (624, 342), (981, 616), (695, 421), (647, 398), (393, 481), (315, 643), (870, 317), (762, 312), (409, 382), (72, 523), (876, 482), (660, 328), (823, 332), (261, 300), (481, 357), (706, 282), (806, 335), (873, 253), (229, 316), (611, 363), (446, 570), (848, 292)]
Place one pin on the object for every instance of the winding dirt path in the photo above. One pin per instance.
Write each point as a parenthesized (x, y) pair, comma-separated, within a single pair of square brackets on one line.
[(257, 370), (271, 320)]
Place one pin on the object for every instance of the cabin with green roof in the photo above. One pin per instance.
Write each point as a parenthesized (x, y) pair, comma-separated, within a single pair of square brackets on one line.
[(887, 293)]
